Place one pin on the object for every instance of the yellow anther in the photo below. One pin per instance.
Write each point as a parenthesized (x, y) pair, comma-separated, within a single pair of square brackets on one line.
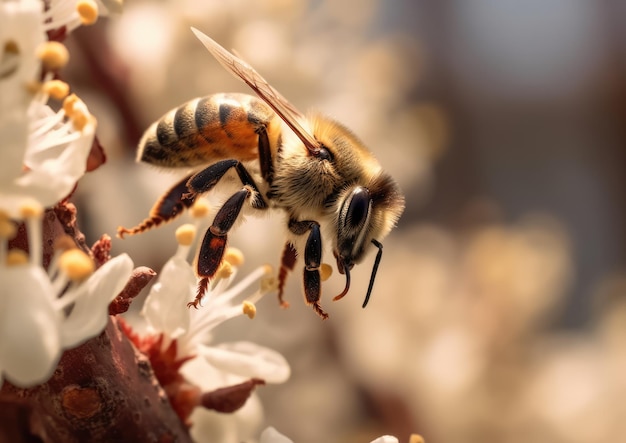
[(224, 271), (63, 243), (7, 228), (234, 257), (56, 89), (17, 257), (88, 11), (249, 309), (416, 438), (80, 115), (76, 264), (200, 209), (31, 209), (53, 55), (185, 234), (69, 103), (326, 271)]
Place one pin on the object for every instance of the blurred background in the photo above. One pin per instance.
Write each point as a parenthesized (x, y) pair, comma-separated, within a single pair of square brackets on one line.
[(499, 312)]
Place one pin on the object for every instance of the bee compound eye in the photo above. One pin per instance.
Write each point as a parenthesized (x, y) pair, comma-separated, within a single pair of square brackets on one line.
[(359, 207)]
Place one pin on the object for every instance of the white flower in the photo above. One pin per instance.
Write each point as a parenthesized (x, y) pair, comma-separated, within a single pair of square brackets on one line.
[(166, 312), (212, 367), (44, 152), (35, 323)]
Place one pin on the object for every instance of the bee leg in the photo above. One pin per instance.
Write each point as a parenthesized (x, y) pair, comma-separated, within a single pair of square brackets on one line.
[(312, 262), (214, 242), (287, 262), (169, 206), (206, 179)]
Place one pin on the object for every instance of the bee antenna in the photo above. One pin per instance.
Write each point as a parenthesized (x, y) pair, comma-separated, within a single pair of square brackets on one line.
[(379, 255), (346, 269)]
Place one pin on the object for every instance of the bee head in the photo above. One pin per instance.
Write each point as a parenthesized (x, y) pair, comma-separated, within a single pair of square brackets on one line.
[(366, 214)]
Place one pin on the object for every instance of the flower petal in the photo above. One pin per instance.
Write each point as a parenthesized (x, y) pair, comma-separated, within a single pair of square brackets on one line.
[(30, 345), (21, 26), (52, 179), (165, 308), (248, 360), (91, 310), (271, 435)]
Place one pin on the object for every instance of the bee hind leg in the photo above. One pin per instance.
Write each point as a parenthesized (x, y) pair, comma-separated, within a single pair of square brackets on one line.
[(312, 262), (169, 206)]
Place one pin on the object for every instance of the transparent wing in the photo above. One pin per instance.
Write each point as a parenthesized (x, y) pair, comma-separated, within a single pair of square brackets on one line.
[(242, 70)]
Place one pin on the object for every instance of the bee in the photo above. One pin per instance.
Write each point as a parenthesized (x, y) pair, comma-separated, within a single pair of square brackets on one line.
[(315, 170)]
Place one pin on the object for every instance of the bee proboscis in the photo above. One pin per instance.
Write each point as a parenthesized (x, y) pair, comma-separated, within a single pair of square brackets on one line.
[(316, 171)]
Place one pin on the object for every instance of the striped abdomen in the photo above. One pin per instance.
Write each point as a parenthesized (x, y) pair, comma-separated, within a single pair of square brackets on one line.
[(207, 129)]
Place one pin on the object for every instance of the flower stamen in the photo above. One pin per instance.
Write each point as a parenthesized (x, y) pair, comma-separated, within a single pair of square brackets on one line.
[(249, 309), (53, 55), (185, 236), (77, 265), (87, 11), (200, 209), (56, 89)]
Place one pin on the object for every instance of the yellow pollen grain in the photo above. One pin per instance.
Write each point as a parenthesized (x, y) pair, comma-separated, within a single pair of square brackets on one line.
[(31, 209), (76, 264), (234, 257), (88, 11), (7, 228), (53, 55), (416, 438), (224, 271), (249, 309), (200, 209), (326, 271), (185, 234), (16, 257), (56, 89)]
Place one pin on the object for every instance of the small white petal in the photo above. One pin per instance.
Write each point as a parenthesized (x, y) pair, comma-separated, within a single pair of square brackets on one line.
[(30, 345), (165, 308), (21, 24), (91, 310), (271, 435), (248, 360), (385, 439), (52, 179)]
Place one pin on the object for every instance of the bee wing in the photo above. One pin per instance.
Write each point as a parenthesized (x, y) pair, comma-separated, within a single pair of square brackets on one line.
[(287, 112)]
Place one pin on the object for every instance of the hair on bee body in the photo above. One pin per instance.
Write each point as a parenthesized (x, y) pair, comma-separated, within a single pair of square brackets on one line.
[(315, 170)]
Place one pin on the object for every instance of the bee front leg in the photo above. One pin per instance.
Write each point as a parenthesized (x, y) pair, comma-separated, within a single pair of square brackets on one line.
[(169, 206), (312, 262)]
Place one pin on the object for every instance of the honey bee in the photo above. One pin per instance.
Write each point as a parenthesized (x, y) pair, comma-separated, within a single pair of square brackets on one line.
[(315, 170)]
